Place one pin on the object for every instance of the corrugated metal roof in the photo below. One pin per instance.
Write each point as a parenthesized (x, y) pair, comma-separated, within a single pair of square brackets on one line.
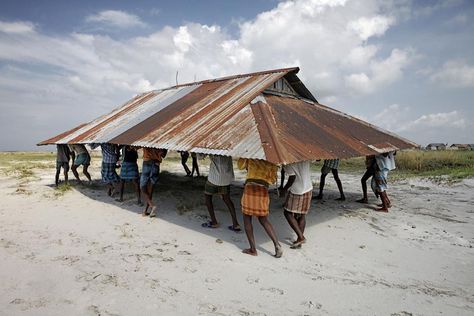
[(235, 116)]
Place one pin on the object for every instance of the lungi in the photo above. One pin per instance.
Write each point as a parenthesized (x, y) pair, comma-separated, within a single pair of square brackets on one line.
[(298, 203), (379, 181), (211, 189), (255, 200), (108, 173), (129, 171)]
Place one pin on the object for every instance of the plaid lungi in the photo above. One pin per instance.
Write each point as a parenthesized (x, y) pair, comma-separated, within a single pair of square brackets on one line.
[(298, 203), (108, 173), (129, 171), (211, 189), (379, 181), (255, 200)]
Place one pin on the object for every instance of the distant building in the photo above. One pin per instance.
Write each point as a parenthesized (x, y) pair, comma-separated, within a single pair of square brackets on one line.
[(436, 146), (461, 147)]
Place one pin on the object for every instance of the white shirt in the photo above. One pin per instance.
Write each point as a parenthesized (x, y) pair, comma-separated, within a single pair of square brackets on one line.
[(386, 162), (221, 170), (302, 182)]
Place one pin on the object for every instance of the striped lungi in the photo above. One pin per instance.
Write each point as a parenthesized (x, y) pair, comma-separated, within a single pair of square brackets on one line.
[(298, 203), (255, 200), (129, 171), (212, 189), (108, 173)]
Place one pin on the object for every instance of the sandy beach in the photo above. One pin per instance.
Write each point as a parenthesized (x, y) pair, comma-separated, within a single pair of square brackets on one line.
[(80, 252)]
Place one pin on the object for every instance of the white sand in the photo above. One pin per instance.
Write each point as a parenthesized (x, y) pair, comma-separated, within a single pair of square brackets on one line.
[(85, 254)]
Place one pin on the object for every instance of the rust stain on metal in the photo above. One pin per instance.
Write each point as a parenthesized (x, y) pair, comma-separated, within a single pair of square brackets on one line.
[(237, 116)]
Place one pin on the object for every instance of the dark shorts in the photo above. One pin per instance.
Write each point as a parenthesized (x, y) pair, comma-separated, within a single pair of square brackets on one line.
[(326, 170), (82, 159), (150, 171), (109, 175), (211, 189), (64, 165), (129, 171)]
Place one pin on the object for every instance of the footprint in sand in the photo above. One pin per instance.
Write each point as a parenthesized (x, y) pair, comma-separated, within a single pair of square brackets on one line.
[(207, 308), (252, 280), (273, 290)]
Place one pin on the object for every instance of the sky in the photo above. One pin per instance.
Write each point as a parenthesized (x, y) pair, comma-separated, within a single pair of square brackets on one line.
[(406, 66)]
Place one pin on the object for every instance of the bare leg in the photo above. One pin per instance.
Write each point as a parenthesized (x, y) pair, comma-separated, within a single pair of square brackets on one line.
[(230, 206), (150, 194), (249, 232), (195, 166), (384, 198), (322, 181), (295, 226), (363, 181), (58, 171), (210, 209), (137, 189), (147, 198), (86, 173), (301, 218), (66, 176), (282, 178), (339, 184), (122, 187), (271, 233), (74, 171)]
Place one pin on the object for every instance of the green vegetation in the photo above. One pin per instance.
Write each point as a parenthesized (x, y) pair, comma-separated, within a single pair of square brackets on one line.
[(448, 164)]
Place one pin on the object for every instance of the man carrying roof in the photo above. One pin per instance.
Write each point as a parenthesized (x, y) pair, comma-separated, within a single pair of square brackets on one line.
[(152, 158), (221, 174), (256, 201), (63, 156), (80, 156), (330, 165), (298, 200)]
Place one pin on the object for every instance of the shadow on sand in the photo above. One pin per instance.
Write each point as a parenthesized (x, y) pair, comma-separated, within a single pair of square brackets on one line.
[(180, 201)]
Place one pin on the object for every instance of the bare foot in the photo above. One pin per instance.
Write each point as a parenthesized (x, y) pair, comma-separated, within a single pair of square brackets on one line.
[(119, 200), (382, 209), (363, 200), (250, 252), (297, 243), (278, 251), (153, 211), (342, 198)]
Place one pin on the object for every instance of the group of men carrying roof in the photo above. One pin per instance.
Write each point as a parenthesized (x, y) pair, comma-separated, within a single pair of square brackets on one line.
[(255, 200)]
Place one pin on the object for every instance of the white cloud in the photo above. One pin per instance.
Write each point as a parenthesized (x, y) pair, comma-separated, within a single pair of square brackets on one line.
[(17, 27), (116, 18), (382, 72), (455, 73), (368, 27), (98, 71)]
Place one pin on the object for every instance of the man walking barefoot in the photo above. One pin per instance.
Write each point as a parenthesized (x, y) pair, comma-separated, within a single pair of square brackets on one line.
[(63, 156), (152, 159), (298, 200), (221, 174), (330, 165), (256, 201)]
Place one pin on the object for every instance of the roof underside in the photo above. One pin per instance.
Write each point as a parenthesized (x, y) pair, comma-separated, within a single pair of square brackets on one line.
[(233, 116)]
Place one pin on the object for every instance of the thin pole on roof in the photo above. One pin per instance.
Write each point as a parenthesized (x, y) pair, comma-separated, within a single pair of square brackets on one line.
[(176, 77)]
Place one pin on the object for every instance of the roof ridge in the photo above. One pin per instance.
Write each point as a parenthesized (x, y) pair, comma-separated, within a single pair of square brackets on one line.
[(263, 72)]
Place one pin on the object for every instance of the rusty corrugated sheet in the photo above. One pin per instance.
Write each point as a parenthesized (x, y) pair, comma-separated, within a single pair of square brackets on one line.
[(233, 116)]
